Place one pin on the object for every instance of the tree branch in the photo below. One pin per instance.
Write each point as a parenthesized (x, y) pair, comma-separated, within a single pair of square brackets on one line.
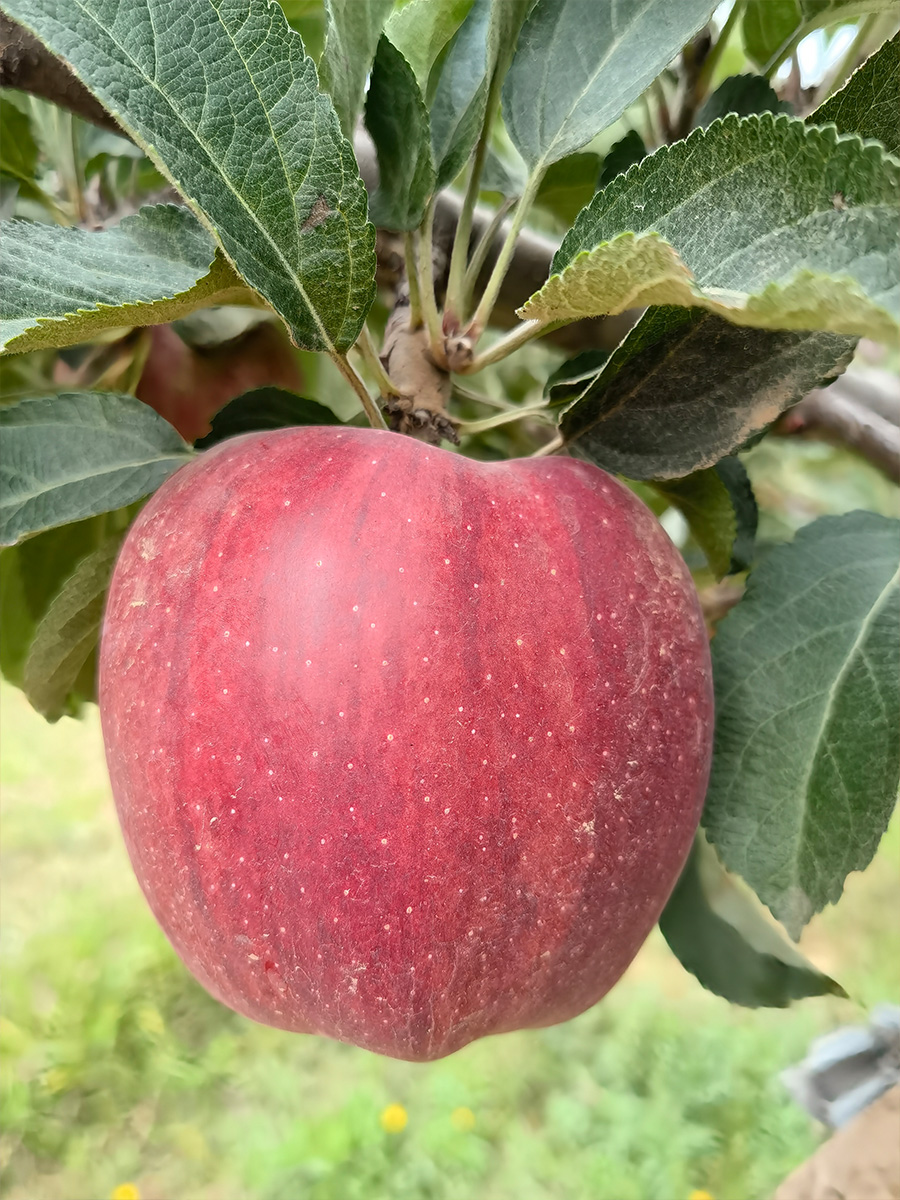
[(859, 411), (27, 65)]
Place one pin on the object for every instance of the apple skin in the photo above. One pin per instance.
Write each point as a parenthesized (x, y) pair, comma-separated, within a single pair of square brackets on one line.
[(407, 748), (188, 387)]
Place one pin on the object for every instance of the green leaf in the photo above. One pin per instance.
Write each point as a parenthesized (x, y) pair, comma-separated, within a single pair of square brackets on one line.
[(705, 503), (568, 185), (77, 454), (352, 33), (767, 25), (734, 475), (20, 155), (622, 154), (580, 63), (504, 172), (224, 100), (265, 408), (65, 286), (482, 46), (422, 28), (743, 95), (61, 662), (18, 149), (645, 416), (685, 388), (772, 27), (869, 101), (717, 931), (801, 230), (458, 107), (720, 509), (397, 119), (507, 19), (807, 760), (31, 574), (570, 378)]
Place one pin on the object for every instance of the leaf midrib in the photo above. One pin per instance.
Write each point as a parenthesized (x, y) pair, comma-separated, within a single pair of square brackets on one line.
[(17, 500), (544, 161), (802, 794), (792, 602), (219, 174)]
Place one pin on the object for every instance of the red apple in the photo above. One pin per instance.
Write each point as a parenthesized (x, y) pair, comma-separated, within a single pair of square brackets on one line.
[(407, 749), (188, 387)]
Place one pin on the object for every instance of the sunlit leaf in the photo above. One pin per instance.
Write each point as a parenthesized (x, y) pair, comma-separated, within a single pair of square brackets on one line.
[(422, 28)]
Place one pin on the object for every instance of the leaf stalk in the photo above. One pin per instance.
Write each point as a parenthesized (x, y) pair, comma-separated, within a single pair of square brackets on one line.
[(372, 411), (425, 268), (506, 345), (550, 447), (502, 418), (492, 290), (466, 393), (366, 347), (456, 291), (482, 249)]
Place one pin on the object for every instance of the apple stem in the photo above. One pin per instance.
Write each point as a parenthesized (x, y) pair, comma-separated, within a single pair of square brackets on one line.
[(372, 411), (370, 356)]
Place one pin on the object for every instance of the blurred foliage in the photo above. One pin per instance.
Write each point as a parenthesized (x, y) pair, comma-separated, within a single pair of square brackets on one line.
[(796, 481)]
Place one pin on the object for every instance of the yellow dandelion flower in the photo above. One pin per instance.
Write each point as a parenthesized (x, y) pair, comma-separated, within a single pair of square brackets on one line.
[(125, 1191), (700, 1194), (394, 1118), (463, 1119)]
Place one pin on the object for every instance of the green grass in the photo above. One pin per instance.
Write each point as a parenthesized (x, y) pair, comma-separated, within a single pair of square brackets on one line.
[(117, 1067)]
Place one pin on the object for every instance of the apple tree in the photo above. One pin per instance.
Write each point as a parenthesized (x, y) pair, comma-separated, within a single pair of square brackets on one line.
[(528, 245)]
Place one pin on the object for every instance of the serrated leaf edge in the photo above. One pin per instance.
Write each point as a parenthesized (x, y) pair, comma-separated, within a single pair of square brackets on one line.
[(198, 211)]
